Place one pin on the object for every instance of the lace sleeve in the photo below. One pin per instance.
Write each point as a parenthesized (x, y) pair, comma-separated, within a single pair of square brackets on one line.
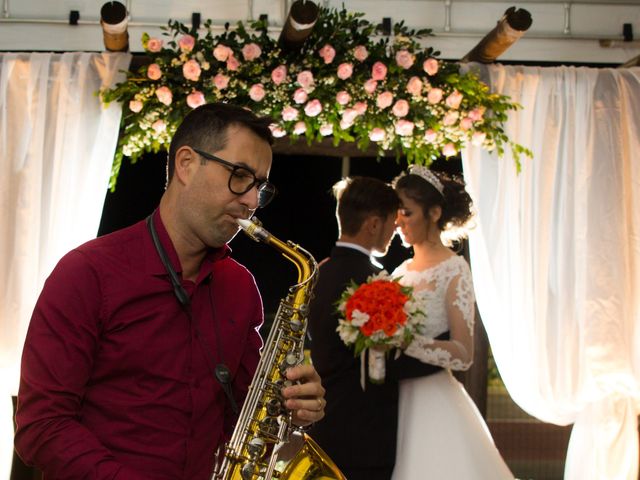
[(456, 353)]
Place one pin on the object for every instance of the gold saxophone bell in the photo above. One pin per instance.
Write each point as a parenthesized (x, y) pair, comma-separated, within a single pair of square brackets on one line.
[(309, 462), (264, 444)]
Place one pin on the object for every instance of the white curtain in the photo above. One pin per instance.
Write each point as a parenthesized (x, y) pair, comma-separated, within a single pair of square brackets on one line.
[(56, 148), (556, 258)]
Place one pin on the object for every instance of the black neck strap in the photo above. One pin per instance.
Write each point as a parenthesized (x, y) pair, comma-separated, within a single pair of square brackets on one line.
[(180, 292)]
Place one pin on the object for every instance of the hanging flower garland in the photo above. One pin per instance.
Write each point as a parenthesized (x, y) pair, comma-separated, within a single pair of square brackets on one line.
[(346, 82)]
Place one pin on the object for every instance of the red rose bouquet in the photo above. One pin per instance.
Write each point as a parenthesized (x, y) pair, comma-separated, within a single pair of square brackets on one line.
[(378, 315)]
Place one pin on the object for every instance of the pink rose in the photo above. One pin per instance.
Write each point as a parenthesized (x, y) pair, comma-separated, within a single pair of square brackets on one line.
[(360, 107), (360, 53), (384, 100), (289, 114), (326, 129), (349, 116), (345, 124), (430, 136), (454, 99), (434, 96), (195, 99), (159, 126), (232, 63), (222, 52), (256, 92), (305, 79), (401, 108), (251, 51), (378, 71), (376, 135), (154, 45), (466, 123), (279, 74), (449, 150), (164, 95), (186, 43), (313, 108), (477, 138), (404, 59), (299, 128), (370, 86), (404, 128), (430, 66), (221, 81), (343, 97), (345, 70), (300, 96), (277, 131), (414, 86), (476, 114), (154, 72), (328, 53), (135, 106), (191, 70), (450, 118)]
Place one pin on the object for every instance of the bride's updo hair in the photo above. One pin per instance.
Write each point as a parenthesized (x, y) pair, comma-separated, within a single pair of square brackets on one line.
[(430, 188)]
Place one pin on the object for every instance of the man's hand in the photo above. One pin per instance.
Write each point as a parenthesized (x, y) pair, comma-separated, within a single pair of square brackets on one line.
[(306, 398)]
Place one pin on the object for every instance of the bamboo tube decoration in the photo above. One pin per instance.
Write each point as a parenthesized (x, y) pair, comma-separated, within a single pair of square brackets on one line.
[(633, 62), (114, 21), (509, 29), (299, 24)]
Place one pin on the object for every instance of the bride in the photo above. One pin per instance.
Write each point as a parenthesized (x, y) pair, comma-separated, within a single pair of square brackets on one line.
[(441, 434)]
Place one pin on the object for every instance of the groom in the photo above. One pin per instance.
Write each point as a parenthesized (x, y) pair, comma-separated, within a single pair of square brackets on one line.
[(358, 431)]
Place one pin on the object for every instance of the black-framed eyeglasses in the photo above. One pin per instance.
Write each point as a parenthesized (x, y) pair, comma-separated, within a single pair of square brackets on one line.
[(243, 179)]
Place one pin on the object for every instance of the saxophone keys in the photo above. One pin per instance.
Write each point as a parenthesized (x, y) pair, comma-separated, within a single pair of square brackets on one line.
[(256, 447)]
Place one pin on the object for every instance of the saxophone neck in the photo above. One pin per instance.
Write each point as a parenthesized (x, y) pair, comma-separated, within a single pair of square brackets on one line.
[(303, 260)]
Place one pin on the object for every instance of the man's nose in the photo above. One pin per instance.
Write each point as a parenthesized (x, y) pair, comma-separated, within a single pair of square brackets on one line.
[(250, 198)]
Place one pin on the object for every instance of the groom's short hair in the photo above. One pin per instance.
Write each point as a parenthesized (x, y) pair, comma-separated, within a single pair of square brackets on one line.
[(361, 197)]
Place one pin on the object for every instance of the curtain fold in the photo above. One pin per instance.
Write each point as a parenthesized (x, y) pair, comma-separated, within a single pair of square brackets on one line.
[(57, 144), (556, 257)]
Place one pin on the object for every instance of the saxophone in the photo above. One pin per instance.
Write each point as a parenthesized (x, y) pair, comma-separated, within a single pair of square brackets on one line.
[(265, 444)]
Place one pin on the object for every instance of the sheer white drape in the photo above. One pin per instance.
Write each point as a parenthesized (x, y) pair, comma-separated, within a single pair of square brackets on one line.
[(56, 148), (556, 258)]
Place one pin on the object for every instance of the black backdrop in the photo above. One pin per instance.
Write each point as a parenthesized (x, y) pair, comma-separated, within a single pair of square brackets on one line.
[(303, 211)]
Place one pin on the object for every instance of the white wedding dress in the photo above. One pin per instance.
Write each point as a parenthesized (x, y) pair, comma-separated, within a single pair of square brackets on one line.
[(441, 434)]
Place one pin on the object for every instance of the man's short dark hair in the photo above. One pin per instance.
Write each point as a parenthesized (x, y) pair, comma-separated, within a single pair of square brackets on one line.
[(361, 197), (206, 128)]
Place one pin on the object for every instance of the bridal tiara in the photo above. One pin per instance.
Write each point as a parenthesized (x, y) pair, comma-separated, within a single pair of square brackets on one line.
[(428, 175)]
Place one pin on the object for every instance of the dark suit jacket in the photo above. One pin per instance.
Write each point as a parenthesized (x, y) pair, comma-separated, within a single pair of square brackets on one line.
[(359, 428)]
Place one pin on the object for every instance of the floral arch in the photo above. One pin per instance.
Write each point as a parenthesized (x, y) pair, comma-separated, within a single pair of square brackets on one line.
[(386, 93)]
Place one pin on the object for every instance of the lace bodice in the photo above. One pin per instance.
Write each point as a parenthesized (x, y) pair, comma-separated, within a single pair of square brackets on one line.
[(446, 291)]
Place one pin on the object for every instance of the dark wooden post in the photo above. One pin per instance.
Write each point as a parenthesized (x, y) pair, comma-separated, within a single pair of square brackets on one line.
[(475, 379), (299, 24), (509, 29)]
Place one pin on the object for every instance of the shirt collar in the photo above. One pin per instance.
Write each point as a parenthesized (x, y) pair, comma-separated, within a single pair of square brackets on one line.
[(355, 246), (360, 248)]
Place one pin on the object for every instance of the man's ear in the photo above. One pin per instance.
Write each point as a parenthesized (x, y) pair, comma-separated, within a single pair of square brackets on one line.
[(373, 224), (186, 163)]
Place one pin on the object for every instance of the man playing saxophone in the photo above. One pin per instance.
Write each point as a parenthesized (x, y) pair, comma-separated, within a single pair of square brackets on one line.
[(143, 342)]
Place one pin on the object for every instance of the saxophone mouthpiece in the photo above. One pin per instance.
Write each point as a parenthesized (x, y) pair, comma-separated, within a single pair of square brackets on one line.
[(244, 223), (253, 229)]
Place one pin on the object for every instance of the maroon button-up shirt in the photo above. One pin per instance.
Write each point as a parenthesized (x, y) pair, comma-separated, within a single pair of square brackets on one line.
[(115, 383)]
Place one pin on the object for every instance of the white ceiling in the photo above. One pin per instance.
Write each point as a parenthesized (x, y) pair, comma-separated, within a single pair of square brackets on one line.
[(570, 31)]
